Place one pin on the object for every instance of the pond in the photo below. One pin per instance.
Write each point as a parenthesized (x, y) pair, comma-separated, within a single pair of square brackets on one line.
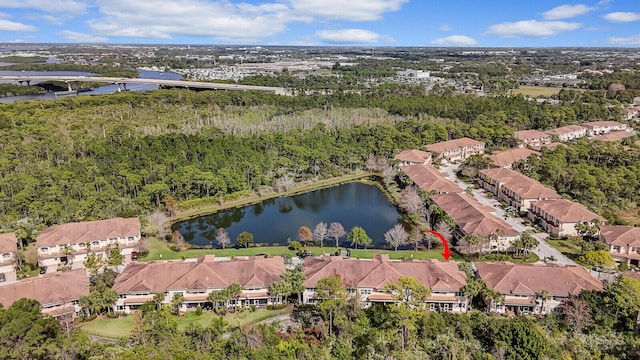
[(275, 221)]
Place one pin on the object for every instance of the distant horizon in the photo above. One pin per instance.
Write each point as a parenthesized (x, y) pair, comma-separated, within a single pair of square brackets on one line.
[(404, 23)]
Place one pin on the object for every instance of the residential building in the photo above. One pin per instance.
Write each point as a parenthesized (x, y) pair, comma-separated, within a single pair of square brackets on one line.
[(533, 138), (508, 157), (624, 243), (533, 288), (67, 245), (8, 254), (514, 188), (471, 217), (603, 127), (195, 279), (631, 113), (410, 74), (413, 157), (614, 136), (430, 179), (568, 133), (368, 279), (57, 293), (561, 216), (456, 150)]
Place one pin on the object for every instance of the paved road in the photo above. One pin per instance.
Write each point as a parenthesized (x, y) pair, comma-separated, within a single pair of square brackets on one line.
[(543, 250)]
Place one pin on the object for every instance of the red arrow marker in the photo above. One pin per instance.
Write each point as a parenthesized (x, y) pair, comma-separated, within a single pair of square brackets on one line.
[(446, 253)]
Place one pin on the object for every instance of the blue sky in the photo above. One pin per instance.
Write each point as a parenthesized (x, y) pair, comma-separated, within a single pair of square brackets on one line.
[(508, 23)]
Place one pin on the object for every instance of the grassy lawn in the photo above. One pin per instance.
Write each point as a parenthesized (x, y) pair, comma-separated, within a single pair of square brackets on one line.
[(566, 247), (123, 326), (113, 328), (534, 91), (158, 247)]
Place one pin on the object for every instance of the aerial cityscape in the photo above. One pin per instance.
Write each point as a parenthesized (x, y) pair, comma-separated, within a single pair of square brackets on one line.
[(303, 179)]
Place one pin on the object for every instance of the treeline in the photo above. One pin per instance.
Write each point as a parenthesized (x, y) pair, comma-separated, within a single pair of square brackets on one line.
[(83, 158), (602, 175), (630, 79), (14, 89)]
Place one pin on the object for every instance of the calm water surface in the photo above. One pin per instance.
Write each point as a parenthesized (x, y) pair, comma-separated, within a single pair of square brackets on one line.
[(276, 220)]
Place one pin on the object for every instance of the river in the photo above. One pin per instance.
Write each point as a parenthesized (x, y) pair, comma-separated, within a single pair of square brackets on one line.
[(276, 221), (107, 89)]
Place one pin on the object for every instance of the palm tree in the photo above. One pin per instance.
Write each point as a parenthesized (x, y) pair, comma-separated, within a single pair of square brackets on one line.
[(176, 302), (158, 298), (68, 250), (544, 295)]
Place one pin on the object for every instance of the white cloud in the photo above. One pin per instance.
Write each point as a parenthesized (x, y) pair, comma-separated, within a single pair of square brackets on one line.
[(622, 16), (65, 7), (455, 40), (531, 28), (350, 10), (7, 25), (628, 41), (445, 27), (566, 11), (168, 18), (348, 36), (77, 37)]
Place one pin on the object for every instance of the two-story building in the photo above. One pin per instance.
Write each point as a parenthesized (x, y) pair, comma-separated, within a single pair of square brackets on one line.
[(514, 188), (67, 245), (614, 136), (603, 127), (413, 157), (430, 179), (568, 133), (561, 216), (532, 138), (8, 253), (456, 150), (624, 243), (195, 279), (471, 217), (533, 288), (368, 279), (508, 157), (58, 293)]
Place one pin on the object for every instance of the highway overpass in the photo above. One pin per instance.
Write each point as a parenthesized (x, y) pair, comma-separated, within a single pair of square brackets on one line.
[(160, 82)]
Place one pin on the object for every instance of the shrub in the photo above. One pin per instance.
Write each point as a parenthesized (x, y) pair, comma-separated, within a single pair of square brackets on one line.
[(295, 245), (278, 306), (198, 310), (252, 308), (112, 315)]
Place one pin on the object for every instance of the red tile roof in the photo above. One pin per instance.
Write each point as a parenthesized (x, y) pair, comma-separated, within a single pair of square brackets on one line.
[(529, 134), (614, 136), (471, 216), (380, 271), (565, 130), (592, 124), (8, 243), (259, 272), (82, 232), (567, 211), (48, 289), (531, 279), (413, 156), (508, 157), (451, 145), (523, 186), (429, 178), (620, 235)]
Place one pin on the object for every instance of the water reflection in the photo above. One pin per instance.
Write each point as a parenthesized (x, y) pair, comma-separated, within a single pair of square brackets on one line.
[(276, 220)]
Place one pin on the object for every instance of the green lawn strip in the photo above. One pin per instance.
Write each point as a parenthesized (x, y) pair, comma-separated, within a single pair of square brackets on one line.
[(566, 247), (247, 317), (190, 318), (114, 328), (300, 188)]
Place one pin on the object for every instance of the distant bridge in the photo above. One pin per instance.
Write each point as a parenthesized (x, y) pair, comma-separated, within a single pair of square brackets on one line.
[(124, 81)]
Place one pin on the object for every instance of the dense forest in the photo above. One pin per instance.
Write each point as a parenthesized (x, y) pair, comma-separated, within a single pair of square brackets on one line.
[(593, 325), (83, 158)]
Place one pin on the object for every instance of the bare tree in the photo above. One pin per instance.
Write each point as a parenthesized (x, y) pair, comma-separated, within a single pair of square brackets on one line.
[(416, 237), (396, 236), (222, 237), (157, 224), (445, 230), (283, 183), (304, 234), (320, 233), (411, 201), (336, 231), (388, 174), (576, 314), (372, 163)]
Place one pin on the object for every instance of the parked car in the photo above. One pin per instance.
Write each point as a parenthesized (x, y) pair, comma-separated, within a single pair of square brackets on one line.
[(43, 270), (134, 256)]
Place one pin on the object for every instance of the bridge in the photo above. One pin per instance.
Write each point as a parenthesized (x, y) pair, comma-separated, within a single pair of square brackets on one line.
[(124, 81)]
